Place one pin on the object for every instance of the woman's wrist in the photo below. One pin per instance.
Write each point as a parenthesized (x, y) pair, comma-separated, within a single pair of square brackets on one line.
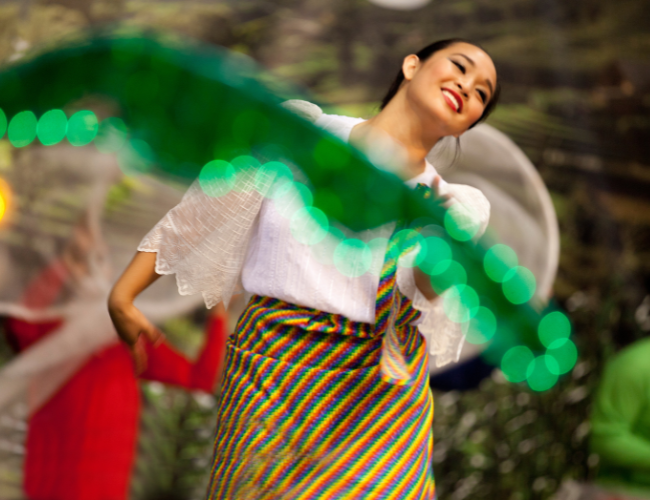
[(118, 310)]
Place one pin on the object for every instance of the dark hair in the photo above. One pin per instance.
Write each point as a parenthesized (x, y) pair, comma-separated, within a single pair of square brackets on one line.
[(423, 55)]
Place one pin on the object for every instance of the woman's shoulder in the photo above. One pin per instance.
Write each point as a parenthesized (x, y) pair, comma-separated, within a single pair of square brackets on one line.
[(338, 125)]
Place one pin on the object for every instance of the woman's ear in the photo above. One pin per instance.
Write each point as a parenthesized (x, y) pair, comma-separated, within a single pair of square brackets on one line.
[(410, 65)]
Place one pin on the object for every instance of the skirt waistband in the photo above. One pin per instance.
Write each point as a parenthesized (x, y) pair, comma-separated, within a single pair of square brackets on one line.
[(273, 311), (305, 336)]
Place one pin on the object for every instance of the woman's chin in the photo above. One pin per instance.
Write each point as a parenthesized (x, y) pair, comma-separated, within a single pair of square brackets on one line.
[(447, 125)]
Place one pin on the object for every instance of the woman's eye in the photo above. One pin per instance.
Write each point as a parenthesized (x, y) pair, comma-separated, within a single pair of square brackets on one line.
[(460, 66), (483, 96)]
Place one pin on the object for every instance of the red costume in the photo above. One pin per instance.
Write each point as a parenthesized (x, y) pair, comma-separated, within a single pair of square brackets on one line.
[(81, 443)]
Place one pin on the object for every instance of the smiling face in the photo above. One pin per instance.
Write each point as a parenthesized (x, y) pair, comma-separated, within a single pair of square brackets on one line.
[(452, 87)]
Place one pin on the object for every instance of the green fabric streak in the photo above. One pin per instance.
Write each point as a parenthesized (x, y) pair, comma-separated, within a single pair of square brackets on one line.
[(187, 104)]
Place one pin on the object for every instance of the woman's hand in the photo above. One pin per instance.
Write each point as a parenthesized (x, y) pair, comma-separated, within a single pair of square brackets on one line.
[(133, 328), (445, 200)]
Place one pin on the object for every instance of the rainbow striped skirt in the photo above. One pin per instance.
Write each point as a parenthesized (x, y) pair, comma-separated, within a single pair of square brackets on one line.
[(305, 415)]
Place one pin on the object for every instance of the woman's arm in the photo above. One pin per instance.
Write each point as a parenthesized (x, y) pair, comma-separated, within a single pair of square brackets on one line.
[(169, 366), (129, 322), (475, 211)]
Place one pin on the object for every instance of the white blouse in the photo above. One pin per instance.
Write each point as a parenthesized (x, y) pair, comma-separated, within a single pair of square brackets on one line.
[(212, 242), (277, 265)]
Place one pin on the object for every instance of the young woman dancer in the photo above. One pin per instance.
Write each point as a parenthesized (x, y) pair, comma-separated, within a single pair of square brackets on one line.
[(325, 392)]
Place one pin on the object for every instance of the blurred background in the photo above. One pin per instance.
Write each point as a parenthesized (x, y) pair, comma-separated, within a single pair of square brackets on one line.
[(576, 99)]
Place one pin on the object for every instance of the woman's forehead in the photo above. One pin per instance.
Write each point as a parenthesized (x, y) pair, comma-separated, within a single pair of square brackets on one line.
[(467, 49), (472, 54)]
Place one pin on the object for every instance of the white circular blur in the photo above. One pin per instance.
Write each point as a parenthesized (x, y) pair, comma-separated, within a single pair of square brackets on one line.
[(400, 4)]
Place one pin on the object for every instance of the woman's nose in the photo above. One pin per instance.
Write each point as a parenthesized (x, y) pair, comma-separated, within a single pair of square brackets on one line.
[(460, 87)]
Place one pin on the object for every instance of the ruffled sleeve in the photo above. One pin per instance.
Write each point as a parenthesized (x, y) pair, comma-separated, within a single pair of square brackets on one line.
[(203, 239), (444, 337)]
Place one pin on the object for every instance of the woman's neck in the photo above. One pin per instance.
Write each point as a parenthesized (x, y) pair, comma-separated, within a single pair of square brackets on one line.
[(403, 125)]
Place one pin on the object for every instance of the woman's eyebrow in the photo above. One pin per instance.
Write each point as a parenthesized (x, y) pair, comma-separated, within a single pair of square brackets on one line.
[(471, 61), (489, 84)]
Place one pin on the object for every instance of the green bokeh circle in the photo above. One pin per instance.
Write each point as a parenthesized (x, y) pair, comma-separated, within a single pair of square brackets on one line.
[(282, 178), (454, 274), (461, 222), (498, 260), (519, 285), (111, 135), (460, 303), (540, 374), (217, 178), (436, 256), (352, 257), (411, 246), (565, 354), (52, 127), (22, 129), (293, 198), (515, 362), (309, 225), (482, 327), (553, 327), (246, 167), (82, 128)]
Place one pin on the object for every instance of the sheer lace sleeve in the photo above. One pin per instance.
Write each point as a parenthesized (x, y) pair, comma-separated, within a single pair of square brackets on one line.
[(203, 240), (444, 337)]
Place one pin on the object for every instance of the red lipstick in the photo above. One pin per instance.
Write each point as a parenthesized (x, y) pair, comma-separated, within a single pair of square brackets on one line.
[(459, 100)]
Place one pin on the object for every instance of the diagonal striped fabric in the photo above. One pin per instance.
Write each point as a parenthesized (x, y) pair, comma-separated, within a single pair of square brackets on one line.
[(389, 306), (305, 414), (315, 406)]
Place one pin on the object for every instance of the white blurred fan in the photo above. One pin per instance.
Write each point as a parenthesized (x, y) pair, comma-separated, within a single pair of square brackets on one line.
[(522, 214), (401, 4)]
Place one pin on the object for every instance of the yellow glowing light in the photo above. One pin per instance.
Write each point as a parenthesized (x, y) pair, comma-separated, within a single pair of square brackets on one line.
[(5, 199)]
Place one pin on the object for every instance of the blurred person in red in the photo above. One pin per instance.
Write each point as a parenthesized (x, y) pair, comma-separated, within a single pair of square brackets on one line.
[(81, 441)]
